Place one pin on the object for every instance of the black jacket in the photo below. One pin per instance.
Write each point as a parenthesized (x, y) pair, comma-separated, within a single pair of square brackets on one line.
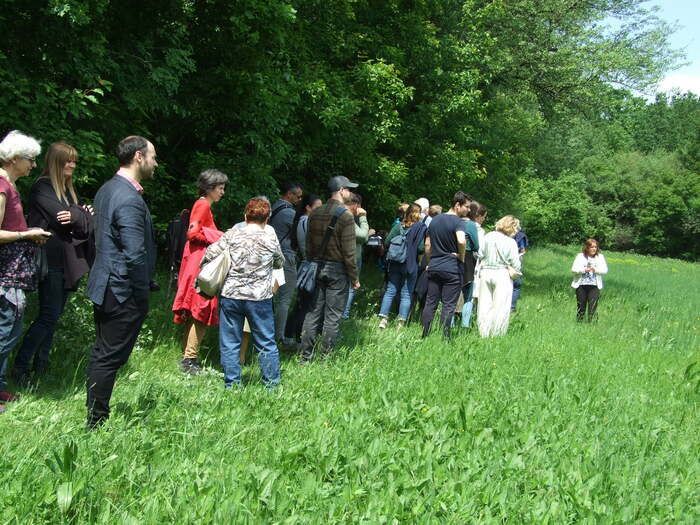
[(70, 246)]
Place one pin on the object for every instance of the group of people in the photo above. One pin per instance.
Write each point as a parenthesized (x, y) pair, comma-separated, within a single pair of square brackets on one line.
[(292, 267), (440, 258)]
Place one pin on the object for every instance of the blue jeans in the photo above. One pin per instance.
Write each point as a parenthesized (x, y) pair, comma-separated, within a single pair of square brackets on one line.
[(399, 282), (348, 305), (10, 331), (468, 294), (517, 285), (37, 341), (232, 312), (351, 295)]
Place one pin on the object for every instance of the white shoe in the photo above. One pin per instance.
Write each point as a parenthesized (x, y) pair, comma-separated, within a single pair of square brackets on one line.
[(383, 323)]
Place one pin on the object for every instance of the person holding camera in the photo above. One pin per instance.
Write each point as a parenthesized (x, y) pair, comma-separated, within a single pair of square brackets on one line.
[(588, 268)]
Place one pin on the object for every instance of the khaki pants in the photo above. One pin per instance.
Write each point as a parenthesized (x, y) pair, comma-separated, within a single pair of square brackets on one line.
[(194, 334)]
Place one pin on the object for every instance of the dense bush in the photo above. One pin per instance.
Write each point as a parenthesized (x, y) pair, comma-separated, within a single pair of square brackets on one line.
[(408, 97), (604, 179)]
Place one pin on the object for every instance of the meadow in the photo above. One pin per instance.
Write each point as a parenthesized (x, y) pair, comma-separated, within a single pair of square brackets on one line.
[(557, 422)]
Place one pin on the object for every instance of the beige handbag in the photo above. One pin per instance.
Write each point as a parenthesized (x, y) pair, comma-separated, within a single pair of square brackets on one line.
[(213, 274), (513, 273)]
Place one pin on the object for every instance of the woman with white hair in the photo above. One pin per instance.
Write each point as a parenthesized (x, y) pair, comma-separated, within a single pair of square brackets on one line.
[(17, 246), (500, 258)]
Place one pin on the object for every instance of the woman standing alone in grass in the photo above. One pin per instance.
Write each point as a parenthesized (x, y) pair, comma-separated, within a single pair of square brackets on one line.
[(588, 268), (195, 311)]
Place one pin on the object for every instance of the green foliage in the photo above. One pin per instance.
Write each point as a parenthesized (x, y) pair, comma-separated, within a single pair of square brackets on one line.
[(632, 193), (562, 210), (410, 99), (555, 422)]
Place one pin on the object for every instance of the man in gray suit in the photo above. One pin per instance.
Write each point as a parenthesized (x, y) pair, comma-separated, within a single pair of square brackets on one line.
[(121, 275)]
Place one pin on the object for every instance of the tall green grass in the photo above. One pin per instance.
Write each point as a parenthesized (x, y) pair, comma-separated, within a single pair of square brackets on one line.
[(556, 422)]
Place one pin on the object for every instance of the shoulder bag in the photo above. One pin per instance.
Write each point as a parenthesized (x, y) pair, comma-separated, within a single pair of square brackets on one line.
[(212, 276), (308, 270)]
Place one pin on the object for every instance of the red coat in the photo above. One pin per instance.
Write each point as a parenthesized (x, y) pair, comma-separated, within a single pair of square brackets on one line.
[(201, 233)]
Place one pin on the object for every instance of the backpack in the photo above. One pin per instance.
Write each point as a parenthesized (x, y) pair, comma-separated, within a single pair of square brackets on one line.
[(177, 238), (397, 247)]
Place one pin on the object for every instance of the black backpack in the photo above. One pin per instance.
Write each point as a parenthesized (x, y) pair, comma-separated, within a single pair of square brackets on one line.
[(176, 239)]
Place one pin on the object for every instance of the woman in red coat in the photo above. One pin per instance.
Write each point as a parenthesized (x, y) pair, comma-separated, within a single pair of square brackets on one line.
[(191, 309)]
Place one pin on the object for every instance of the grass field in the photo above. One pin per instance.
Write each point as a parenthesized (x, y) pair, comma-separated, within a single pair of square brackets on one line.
[(557, 422)]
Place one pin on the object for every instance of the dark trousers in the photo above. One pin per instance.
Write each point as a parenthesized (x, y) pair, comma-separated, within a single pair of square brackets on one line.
[(116, 328), (328, 305), (295, 322), (445, 287), (517, 286), (586, 295), (36, 346)]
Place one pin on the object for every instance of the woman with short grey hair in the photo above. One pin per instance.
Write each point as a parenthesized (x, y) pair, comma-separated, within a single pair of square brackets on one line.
[(195, 311), (209, 180), (18, 154)]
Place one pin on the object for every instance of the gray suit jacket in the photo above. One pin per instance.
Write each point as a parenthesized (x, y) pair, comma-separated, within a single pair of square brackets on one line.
[(126, 250)]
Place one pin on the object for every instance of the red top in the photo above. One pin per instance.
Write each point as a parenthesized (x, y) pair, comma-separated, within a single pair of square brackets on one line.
[(201, 233), (13, 220)]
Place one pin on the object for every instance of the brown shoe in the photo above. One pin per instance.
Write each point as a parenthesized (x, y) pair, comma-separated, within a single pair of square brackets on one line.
[(8, 397)]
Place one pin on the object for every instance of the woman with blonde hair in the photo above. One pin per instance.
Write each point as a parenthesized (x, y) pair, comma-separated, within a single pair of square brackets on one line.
[(54, 206), (499, 260), (403, 269), (17, 246)]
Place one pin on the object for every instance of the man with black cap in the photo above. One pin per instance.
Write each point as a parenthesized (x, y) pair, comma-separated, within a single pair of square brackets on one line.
[(337, 267)]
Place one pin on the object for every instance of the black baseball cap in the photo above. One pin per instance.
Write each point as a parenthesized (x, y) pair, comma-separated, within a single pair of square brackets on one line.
[(339, 182)]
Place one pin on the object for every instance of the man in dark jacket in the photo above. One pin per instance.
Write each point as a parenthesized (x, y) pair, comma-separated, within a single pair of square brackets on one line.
[(124, 265), (282, 220), (337, 271)]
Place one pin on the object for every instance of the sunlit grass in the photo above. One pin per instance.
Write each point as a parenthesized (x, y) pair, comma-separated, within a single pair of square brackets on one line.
[(555, 422)]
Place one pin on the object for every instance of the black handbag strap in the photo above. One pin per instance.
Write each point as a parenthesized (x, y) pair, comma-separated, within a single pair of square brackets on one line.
[(329, 230), (278, 209)]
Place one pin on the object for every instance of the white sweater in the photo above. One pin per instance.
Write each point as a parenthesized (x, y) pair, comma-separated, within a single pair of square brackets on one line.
[(579, 268), (499, 252)]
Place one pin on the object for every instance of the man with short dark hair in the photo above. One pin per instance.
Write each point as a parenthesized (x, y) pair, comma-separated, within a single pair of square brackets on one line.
[(120, 278), (337, 267), (282, 220), (445, 247)]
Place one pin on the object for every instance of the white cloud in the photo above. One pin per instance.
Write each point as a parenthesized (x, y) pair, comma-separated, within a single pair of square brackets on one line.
[(680, 81)]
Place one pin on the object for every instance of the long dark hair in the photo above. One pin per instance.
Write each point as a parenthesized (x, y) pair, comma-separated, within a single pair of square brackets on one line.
[(307, 200)]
